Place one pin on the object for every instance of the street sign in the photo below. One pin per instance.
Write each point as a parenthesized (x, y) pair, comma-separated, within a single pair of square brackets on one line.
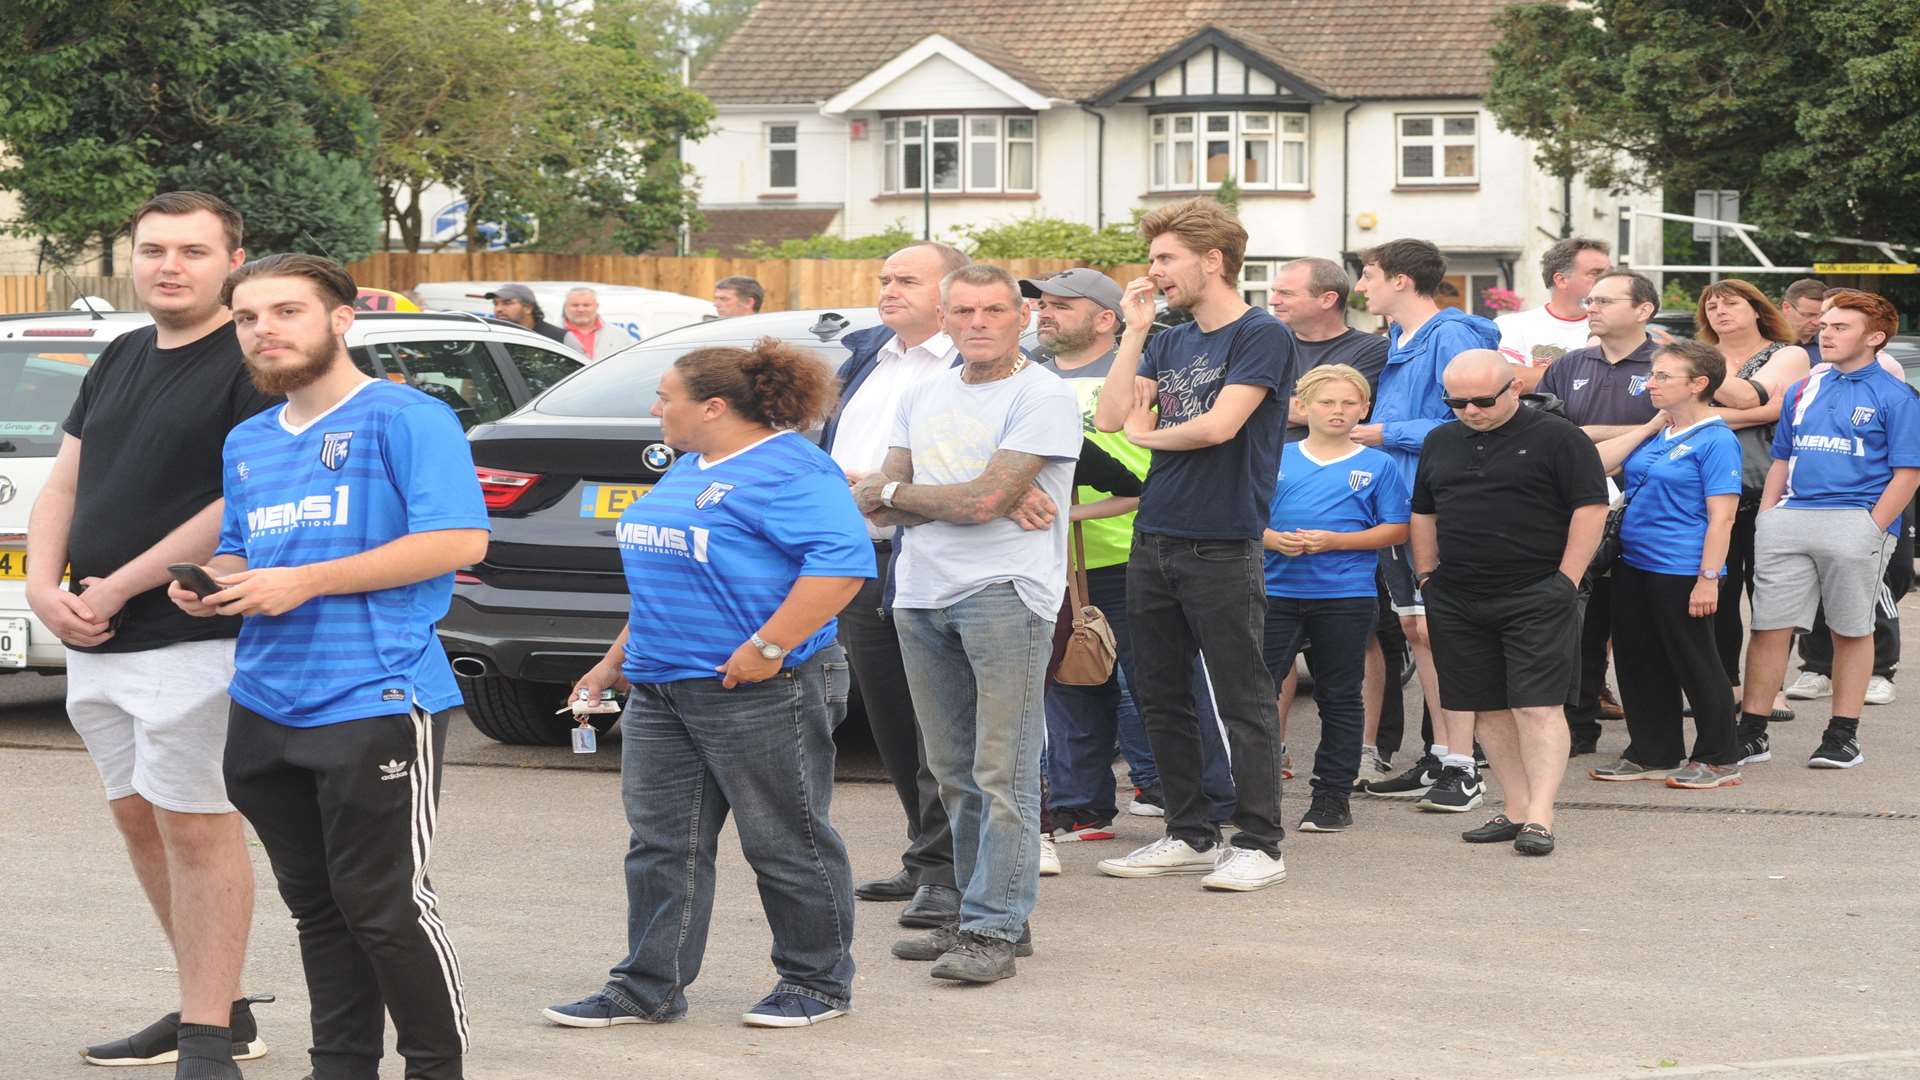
[(1866, 268), (1718, 205)]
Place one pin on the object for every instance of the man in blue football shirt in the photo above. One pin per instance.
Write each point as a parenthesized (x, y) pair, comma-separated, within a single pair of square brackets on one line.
[(1846, 463), (347, 511)]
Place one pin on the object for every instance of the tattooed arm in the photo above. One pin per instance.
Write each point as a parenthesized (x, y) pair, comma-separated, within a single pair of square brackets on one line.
[(999, 487), (866, 492)]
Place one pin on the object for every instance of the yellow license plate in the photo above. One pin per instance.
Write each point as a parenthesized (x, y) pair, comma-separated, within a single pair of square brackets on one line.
[(609, 500), (13, 564)]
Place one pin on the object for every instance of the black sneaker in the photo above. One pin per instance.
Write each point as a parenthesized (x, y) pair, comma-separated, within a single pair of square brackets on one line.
[(159, 1042), (976, 958), (1329, 813), (1839, 749), (1457, 791), (1753, 749), (1410, 784), (1148, 802)]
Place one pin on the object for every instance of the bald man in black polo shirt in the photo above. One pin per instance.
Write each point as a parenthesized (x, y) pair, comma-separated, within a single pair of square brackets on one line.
[(1508, 506)]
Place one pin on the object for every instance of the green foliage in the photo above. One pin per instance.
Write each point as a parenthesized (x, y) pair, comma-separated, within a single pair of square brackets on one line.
[(1677, 296), (1051, 238), (878, 246), (1804, 106), (105, 102), (1228, 194)]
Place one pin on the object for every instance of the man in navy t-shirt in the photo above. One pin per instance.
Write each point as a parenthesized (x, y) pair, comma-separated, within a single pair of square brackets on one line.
[(347, 511), (1846, 463), (1210, 400)]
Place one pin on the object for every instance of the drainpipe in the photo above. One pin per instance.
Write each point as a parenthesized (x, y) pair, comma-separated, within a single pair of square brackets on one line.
[(1099, 167), (1566, 206), (1346, 144)]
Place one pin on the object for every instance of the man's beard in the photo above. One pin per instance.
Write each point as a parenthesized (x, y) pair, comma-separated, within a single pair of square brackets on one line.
[(282, 379), (1071, 341)]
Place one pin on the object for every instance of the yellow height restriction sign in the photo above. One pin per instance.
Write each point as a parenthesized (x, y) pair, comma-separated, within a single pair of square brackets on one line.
[(1866, 268)]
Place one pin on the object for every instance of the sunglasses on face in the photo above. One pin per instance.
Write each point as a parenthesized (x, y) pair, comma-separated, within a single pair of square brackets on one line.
[(1487, 402)]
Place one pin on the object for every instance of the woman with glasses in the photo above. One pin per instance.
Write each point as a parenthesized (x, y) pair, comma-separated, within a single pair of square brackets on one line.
[(737, 562), (1761, 362), (1681, 476)]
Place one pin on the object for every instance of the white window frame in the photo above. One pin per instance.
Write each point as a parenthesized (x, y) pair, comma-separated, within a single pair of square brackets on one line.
[(773, 148), (1439, 141), (959, 141), (1256, 280), (1166, 145), (897, 147)]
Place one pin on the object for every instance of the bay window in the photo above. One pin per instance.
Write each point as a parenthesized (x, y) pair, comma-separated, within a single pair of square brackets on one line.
[(975, 153), (1259, 151)]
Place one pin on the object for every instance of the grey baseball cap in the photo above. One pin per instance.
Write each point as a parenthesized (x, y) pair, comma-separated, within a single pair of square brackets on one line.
[(510, 292), (1081, 282)]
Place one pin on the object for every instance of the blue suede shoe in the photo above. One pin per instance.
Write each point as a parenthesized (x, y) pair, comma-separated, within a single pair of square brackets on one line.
[(784, 1008), (592, 1011)]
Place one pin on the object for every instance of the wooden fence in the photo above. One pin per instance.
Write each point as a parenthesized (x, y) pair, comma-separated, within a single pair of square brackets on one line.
[(790, 284)]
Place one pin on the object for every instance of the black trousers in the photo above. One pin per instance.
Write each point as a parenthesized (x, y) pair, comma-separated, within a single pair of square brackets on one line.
[(1207, 597), (1339, 629), (1729, 632), (1393, 648), (873, 648), (1583, 717), (346, 813), (1663, 652)]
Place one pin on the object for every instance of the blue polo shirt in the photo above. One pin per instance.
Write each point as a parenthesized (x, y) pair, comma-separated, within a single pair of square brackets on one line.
[(1668, 479), (1348, 494), (1842, 433), (713, 550)]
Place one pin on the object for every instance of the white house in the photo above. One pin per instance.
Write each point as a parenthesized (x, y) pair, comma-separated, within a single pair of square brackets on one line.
[(1343, 125)]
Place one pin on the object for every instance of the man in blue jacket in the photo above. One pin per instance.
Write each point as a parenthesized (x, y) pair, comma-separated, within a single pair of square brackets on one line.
[(906, 348), (1399, 279)]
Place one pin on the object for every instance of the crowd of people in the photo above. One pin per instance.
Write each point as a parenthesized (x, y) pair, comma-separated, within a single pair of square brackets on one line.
[(1032, 565)]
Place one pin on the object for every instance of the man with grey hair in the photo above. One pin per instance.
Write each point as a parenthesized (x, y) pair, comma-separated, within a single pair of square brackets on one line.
[(735, 296), (976, 602), (1310, 296), (1503, 603), (585, 330), (907, 347), (1534, 338)]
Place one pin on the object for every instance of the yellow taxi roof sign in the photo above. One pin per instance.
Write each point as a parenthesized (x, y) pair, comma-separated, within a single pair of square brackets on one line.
[(383, 300)]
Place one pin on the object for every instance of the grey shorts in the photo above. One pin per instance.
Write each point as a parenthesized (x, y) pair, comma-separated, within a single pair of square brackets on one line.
[(155, 722), (1803, 559)]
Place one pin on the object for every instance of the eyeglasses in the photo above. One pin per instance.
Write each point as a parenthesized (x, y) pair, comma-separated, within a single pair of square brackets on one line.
[(1477, 402), (1668, 376), (1591, 302)]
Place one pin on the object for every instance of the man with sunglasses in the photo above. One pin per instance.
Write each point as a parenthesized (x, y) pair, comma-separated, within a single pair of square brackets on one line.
[(1604, 387), (1503, 599)]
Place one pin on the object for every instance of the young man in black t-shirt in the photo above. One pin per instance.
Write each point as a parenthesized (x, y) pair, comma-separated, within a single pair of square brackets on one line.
[(1508, 507), (136, 487), (1210, 400)]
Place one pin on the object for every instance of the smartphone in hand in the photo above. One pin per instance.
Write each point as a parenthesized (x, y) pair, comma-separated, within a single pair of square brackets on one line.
[(194, 578)]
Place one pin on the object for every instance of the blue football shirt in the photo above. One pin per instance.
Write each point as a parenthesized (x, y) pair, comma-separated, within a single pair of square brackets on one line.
[(1348, 494), (1668, 478), (385, 462), (1842, 433), (713, 550)]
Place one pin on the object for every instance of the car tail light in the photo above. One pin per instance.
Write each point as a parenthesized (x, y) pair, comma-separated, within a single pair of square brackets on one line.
[(503, 487)]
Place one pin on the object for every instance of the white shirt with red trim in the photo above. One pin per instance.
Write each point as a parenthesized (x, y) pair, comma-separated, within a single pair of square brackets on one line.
[(1537, 337)]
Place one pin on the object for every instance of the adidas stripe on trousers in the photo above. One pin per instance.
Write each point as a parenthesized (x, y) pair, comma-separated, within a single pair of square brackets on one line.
[(346, 813)]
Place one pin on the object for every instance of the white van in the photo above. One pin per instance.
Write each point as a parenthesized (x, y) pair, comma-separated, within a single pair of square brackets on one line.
[(642, 313)]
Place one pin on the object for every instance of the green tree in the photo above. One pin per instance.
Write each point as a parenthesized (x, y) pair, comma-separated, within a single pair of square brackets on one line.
[(1053, 238), (1804, 106), (826, 246), (105, 102), (532, 112)]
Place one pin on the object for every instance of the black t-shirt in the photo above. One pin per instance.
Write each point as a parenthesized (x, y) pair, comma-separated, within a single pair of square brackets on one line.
[(1218, 492), (151, 423), (1597, 392), (1503, 499), (1362, 351), (548, 330)]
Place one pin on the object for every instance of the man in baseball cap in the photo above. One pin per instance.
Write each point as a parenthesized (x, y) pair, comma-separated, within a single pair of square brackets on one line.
[(515, 303), (1079, 282)]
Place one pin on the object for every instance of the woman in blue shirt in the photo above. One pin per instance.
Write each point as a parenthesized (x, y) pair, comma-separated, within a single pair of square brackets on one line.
[(1681, 475), (737, 562)]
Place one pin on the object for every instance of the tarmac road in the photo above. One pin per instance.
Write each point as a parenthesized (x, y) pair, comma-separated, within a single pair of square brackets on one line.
[(1767, 931)]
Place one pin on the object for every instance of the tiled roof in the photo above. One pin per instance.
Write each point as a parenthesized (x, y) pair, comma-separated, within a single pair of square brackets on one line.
[(797, 51), (728, 231)]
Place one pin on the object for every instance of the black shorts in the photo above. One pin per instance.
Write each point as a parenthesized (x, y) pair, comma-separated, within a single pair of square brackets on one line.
[(1517, 649)]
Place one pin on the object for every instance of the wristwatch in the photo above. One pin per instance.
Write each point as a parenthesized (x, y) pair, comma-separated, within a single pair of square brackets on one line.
[(767, 648), (1712, 575), (886, 493)]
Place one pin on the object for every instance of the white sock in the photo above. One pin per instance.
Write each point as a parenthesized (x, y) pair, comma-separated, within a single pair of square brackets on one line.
[(1439, 750), (1463, 761)]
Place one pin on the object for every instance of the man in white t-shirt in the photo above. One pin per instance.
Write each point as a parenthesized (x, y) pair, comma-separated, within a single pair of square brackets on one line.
[(1536, 337)]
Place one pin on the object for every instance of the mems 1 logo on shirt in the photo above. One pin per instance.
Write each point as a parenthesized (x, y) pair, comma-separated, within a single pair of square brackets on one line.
[(664, 539), (314, 510)]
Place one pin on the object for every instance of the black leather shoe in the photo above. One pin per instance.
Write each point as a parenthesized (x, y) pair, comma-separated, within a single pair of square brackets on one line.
[(1533, 840), (1582, 747), (933, 905), (897, 887), (1498, 830)]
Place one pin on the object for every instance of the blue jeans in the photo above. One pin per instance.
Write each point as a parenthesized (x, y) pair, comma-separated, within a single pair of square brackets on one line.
[(977, 669), (690, 752), (1339, 629), (1084, 723)]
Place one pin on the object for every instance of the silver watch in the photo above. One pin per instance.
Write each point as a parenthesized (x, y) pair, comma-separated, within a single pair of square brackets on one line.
[(767, 648), (886, 493)]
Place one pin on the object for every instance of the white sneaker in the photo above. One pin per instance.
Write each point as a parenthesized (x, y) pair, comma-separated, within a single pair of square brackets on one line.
[(1244, 870), (1164, 856), (1811, 685), (1049, 858), (1879, 691)]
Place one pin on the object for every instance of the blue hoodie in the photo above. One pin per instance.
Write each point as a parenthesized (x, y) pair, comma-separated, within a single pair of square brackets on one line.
[(1408, 402)]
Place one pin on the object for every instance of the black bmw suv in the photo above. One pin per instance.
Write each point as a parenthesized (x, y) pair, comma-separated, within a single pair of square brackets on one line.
[(550, 595)]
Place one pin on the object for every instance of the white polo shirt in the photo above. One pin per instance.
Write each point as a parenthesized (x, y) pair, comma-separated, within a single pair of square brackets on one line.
[(866, 420)]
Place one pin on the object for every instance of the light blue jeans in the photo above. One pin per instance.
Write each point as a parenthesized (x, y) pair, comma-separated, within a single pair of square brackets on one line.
[(977, 670)]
